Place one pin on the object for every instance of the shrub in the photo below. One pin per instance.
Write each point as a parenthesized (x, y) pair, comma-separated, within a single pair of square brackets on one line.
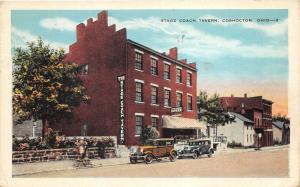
[(234, 144), (53, 141), (149, 133)]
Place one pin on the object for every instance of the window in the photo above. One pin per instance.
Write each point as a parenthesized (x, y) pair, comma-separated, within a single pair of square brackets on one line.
[(167, 98), (84, 69), (247, 138), (250, 138), (179, 100), (178, 75), (189, 79), (189, 103), (167, 74), (154, 121), (139, 120), (139, 92), (247, 127), (154, 95), (153, 69), (138, 61)]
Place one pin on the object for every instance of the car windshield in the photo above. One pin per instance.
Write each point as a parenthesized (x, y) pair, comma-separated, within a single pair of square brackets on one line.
[(150, 142), (158, 142), (200, 143)]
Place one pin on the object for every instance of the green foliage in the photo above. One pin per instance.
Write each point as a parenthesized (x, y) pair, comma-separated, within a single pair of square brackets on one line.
[(281, 118), (149, 132), (52, 141), (44, 86), (210, 109)]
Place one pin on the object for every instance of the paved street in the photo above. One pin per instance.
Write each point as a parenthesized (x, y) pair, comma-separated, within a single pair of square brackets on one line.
[(265, 163)]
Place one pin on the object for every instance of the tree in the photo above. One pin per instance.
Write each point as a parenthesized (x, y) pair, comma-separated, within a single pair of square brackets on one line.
[(280, 117), (44, 86), (149, 132), (211, 111)]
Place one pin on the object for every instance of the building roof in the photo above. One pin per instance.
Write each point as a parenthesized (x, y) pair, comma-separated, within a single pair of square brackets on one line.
[(241, 117), (249, 103), (162, 55), (280, 124)]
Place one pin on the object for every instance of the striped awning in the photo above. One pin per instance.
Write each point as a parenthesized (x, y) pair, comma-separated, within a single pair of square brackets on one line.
[(174, 122)]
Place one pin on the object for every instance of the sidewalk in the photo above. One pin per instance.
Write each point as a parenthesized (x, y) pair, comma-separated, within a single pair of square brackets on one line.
[(239, 150), (31, 168)]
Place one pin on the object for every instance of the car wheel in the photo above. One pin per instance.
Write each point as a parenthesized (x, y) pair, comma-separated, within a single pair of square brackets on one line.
[(195, 155), (172, 156), (148, 159), (210, 153), (133, 161)]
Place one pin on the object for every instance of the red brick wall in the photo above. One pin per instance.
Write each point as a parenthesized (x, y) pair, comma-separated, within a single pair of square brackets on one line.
[(108, 55), (146, 107), (104, 50)]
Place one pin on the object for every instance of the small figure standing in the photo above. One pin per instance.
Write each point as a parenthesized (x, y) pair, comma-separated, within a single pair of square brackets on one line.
[(82, 145), (82, 149), (101, 149)]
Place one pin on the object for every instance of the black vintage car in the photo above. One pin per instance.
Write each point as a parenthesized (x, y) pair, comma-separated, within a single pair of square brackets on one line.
[(196, 148)]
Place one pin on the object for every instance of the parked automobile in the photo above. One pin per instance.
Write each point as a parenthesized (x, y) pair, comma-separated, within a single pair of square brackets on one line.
[(155, 149), (196, 148)]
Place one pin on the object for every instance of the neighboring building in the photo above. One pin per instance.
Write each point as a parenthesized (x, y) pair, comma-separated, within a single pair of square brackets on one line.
[(281, 132), (131, 86), (28, 128), (241, 130), (256, 109)]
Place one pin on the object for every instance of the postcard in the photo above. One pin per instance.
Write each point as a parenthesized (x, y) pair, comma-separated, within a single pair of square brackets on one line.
[(184, 94)]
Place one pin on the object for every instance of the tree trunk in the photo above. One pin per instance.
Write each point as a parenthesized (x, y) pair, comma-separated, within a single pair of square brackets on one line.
[(45, 127)]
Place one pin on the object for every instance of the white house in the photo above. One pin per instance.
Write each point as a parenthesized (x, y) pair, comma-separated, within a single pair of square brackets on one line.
[(239, 131)]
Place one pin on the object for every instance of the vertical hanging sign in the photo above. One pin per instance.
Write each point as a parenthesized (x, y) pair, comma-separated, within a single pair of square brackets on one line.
[(121, 80)]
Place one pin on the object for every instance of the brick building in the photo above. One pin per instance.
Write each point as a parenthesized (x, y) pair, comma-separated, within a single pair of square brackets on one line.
[(131, 86), (257, 109)]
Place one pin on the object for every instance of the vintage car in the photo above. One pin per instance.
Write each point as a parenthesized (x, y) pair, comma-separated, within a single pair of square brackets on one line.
[(196, 148), (154, 149)]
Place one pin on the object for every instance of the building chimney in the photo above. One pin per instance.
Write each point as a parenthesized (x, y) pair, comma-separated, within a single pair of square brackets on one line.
[(194, 65), (183, 61), (173, 53), (245, 95)]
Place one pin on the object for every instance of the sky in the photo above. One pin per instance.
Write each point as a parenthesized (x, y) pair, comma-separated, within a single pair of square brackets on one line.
[(232, 57)]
